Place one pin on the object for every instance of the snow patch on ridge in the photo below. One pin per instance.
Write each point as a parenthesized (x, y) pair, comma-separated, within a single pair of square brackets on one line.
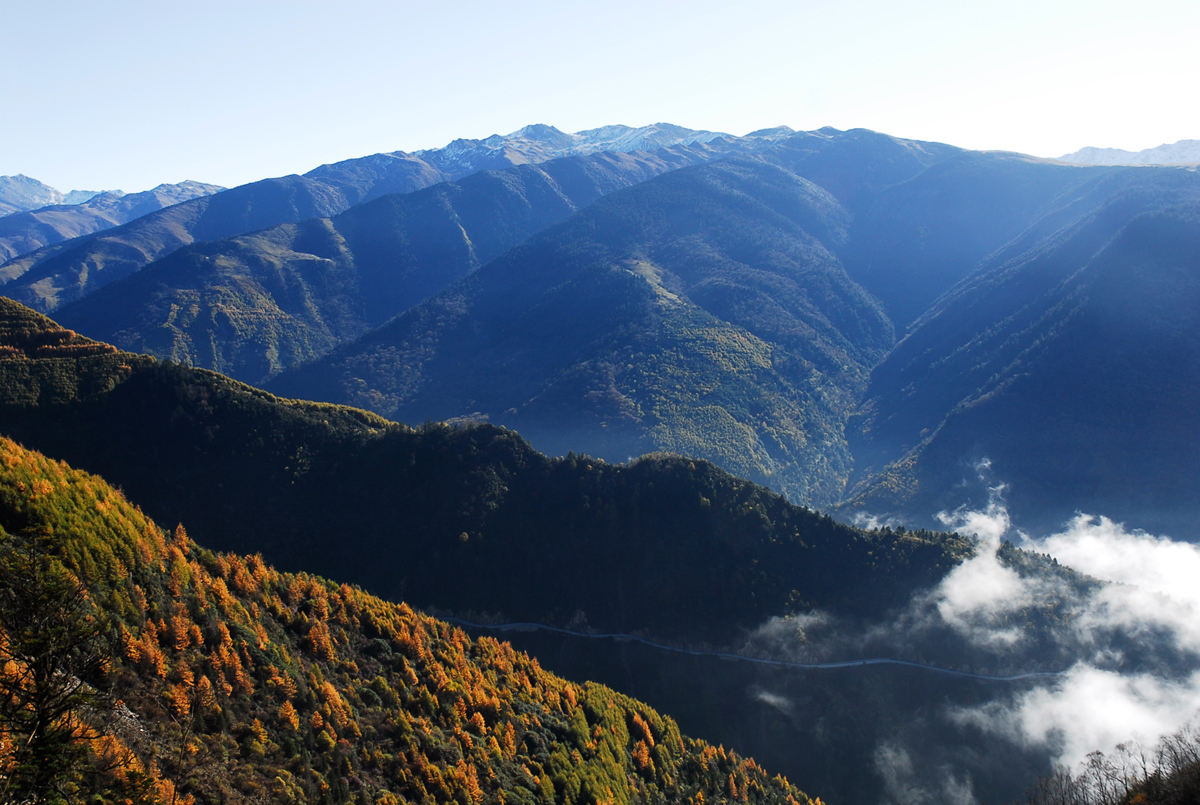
[(1184, 152)]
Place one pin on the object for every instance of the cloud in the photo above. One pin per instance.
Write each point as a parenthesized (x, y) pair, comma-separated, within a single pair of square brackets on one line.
[(872, 522), (1154, 589), (975, 597), (1157, 576), (903, 785), (1135, 639), (990, 524), (1106, 550), (972, 595), (781, 703), (1090, 708), (1124, 630)]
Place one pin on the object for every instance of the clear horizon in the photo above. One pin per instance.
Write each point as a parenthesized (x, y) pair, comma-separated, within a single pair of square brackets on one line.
[(133, 94)]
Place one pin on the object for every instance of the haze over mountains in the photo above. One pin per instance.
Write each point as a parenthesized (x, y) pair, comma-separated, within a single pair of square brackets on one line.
[(24, 232), (1184, 152), (652, 361), (52, 276), (1067, 358), (741, 311)]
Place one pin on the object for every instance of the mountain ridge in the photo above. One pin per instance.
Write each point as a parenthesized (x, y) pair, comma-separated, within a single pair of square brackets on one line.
[(24, 232), (254, 305), (21, 193), (53, 275), (1182, 152), (624, 280), (263, 473)]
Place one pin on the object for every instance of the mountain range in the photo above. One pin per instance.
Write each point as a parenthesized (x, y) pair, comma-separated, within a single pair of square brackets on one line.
[(21, 193), (815, 314), (473, 521), (721, 594), (253, 305), (24, 232), (1184, 152), (637, 371), (51, 276)]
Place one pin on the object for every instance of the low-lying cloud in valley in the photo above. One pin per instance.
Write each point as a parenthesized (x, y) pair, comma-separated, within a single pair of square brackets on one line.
[(1110, 614), (1136, 637)]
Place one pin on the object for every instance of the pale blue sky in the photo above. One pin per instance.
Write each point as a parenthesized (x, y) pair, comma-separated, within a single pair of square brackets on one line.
[(129, 94)]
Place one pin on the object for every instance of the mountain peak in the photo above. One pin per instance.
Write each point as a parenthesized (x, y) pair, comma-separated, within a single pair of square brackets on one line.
[(542, 133), (776, 131), (21, 193)]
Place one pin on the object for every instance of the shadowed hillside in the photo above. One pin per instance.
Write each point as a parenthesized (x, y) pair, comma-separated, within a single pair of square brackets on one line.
[(224, 680), (469, 518), (703, 312)]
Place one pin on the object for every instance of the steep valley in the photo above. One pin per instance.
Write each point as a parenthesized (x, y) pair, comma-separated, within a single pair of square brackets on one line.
[(620, 408)]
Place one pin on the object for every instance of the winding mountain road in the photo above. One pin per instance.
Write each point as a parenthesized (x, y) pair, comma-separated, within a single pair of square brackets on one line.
[(817, 666)]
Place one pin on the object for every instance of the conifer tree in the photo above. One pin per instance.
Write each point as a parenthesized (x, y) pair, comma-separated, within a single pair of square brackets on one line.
[(52, 642)]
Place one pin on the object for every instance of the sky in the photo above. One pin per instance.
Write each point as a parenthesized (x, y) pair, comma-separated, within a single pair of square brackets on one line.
[(128, 94)]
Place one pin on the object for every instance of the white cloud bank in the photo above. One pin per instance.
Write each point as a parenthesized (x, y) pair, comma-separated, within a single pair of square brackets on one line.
[(1152, 602)]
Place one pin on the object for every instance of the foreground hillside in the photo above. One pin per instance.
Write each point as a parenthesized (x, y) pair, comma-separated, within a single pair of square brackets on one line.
[(458, 518), (237, 683)]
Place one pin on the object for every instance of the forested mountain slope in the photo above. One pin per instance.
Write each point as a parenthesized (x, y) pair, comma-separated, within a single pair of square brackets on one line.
[(55, 275), (253, 305), (703, 312), (1069, 360), (215, 678), (461, 518)]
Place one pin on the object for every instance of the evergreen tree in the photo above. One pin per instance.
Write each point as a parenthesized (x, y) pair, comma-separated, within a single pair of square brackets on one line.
[(55, 644)]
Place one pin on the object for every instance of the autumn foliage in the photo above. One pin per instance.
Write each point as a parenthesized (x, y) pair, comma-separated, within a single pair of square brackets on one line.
[(234, 682)]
